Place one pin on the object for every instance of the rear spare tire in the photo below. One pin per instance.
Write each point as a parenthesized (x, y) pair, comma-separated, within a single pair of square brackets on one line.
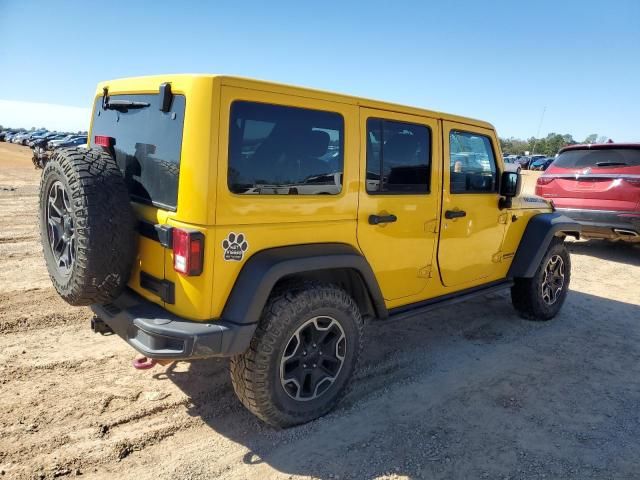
[(86, 226)]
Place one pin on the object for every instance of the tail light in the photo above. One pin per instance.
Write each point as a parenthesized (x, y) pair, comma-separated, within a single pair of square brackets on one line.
[(188, 251), (103, 141), (542, 180)]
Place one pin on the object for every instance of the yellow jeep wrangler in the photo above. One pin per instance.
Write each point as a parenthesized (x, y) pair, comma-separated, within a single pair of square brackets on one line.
[(220, 216)]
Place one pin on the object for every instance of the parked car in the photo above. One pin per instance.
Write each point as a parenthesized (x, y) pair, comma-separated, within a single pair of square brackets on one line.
[(541, 164), (6, 134), (52, 144), (73, 142), (289, 309), (39, 139), (527, 160), (511, 163), (599, 186), (17, 137), (25, 137), (523, 162), (10, 134), (57, 136)]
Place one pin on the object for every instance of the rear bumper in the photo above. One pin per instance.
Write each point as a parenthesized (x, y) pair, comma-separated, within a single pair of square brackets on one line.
[(605, 223), (156, 333)]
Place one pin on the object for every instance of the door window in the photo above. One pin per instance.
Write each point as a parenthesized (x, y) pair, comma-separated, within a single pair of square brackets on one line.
[(398, 157), (472, 163), (279, 150)]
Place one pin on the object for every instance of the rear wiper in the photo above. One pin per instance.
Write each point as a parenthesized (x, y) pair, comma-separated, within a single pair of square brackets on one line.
[(611, 164), (120, 105), (123, 105)]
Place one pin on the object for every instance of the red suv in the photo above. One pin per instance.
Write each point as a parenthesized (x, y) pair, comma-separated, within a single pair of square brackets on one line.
[(598, 186)]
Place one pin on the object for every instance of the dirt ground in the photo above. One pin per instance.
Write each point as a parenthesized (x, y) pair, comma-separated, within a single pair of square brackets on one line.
[(469, 391)]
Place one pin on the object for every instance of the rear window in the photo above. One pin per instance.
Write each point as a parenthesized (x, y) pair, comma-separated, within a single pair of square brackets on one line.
[(279, 150), (604, 158), (147, 146)]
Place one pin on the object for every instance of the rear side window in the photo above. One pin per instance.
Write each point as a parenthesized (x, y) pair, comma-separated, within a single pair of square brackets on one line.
[(472, 163), (279, 150), (604, 158), (398, 157), (147, 146)]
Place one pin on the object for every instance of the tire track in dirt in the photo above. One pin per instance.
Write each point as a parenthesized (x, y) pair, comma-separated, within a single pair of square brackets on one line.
[(34, 309)]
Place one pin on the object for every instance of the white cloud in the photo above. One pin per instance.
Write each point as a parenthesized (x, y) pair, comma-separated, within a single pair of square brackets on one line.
[(53, 117)]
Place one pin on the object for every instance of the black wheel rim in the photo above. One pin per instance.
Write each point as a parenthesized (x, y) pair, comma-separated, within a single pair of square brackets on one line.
[(60, 228), (553, 280), (313, 358)]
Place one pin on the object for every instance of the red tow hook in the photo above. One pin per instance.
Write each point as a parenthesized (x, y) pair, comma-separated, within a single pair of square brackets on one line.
[(144, 363)]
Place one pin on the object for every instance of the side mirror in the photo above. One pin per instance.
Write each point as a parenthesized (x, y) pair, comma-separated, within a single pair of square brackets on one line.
[(509, 188)]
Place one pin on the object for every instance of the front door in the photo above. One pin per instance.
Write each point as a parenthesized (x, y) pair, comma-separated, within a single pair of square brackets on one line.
[(399, 201), (472, 226)]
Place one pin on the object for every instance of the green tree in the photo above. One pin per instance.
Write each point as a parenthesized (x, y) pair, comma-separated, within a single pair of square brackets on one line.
[(513, 146), (591, 138)]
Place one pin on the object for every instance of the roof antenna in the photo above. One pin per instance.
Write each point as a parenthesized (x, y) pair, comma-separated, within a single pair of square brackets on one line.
[(533, 149)]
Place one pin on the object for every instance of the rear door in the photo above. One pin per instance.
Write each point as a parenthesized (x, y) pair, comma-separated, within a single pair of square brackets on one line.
[(472, 226), (147, 145), (399, 201)]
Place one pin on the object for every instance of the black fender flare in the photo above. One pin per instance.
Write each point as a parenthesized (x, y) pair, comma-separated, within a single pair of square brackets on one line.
[(536, 239), (264, 269)]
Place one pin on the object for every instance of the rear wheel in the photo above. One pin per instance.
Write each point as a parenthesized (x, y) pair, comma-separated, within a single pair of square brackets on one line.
[(86, 226), (302, 356), (542, 296)]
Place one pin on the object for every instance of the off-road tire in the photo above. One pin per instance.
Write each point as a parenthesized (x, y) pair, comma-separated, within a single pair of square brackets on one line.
[(168, 168), (104, 225), (526, 293), (256, 373)]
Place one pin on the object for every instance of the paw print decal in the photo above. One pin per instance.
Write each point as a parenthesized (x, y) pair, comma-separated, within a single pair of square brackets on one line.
[(234, 247)]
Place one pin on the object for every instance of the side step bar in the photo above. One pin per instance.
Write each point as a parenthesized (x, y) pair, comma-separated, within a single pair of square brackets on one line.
[(416, 309)]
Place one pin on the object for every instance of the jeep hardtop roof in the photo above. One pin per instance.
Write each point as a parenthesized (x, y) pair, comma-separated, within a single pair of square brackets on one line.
[(149, 84)]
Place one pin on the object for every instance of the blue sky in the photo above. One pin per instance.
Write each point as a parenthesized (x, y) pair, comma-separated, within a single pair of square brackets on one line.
[(501, 61)]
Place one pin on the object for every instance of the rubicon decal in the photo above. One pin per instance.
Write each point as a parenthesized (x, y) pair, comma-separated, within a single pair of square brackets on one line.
[(235, 245)]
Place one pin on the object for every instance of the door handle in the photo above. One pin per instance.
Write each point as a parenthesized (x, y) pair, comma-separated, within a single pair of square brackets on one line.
[(378, 219), (449, 214)]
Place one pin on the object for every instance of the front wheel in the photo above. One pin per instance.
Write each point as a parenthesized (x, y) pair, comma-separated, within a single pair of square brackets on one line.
[(541, 297), (302, 356)]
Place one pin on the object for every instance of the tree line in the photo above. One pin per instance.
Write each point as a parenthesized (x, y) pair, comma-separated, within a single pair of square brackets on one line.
[(548, 145)]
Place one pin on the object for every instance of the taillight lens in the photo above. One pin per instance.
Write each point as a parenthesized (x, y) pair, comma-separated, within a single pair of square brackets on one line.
[(188, 251), (542, 180), (103, 141)]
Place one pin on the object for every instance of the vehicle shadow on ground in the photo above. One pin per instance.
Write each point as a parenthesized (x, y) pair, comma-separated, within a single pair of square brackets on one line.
[(620, 252), (451, 394)]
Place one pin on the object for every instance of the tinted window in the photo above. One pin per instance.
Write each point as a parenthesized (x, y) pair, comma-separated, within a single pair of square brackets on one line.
[(605, 158), (398, 157), (282, 150), (472, 163), (148, 143)]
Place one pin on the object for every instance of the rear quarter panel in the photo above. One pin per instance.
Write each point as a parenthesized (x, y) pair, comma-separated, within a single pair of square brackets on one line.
[(196, 200), (267, 221)]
